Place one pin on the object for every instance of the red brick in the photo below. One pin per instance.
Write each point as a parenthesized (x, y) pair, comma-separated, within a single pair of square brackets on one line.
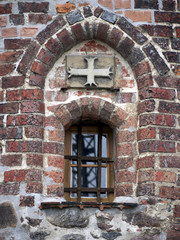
[(106, 3), (124, 190), (32, 107), (125, 149), (157, 146), (173, 235), (146, 106), (6, 8), (146, 133), (126, 136), (56, 190), (26, 201), (126, 97), (21, 120), (56, 135), (102, 32), (22, 146), (157, 119), (74, 110), (141, 69), (56, 161), (138, 16), (39, 18), (45, 57), (9, 189), (177, 32), (169, 161), (54, 148), (65, 8), (170, 17), (169, 134), (34, 187), (169, 5), (126, 176), (16, 43), (66, 39), (124, 163), (78, 32), (33, 7), (158, 30), (58, 177), (11, 160), (1, 96), (3, 21), (114, 37), (177, 211), (9, 108), (52, 122), (40, 68), (9, 32), (118, 117), (159, 176), (22, 175), (170, 82), (5, 69), (168, 107), (28, 94), (63, 115), (123, 4), (36, 80), (54, 46), (34, 132), (145, 162), (28, 31), (169, 192), (34, 160), (144, 81), (131, 122), (160, 93), (12, 82)]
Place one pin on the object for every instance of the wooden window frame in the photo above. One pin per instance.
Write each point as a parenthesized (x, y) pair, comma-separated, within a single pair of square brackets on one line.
[(94, 129)]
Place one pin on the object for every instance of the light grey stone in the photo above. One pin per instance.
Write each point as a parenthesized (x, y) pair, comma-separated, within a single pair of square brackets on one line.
[(73, 237)]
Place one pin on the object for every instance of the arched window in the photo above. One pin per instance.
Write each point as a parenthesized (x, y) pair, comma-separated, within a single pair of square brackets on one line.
[(89, 171)]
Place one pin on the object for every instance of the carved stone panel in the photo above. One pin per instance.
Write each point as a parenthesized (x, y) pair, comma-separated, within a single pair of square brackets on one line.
[(90, 71)]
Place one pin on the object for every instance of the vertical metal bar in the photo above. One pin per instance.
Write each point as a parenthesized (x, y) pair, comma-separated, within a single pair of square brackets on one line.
[(99, 164), (79, 162)]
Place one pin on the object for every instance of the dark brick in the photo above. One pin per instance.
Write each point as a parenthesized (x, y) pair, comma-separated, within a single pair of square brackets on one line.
[(102, 32), (16, 43), (78, 32), (87, 11), (28, 57), (131, 31), (175, 43), (106, 111), (39, 18), (33, 7), (8, 133), (9, 108), (144, 81), (55, 47), (22, 94), (171, 82), (36, 80), (169, 192), (111, 235), (66, 39), (168, 94), (125, 47), (74, 110), (12, 82), (157, 119), (11, 160), (98, 11), (169, 5), (162, 42), (173, 235), (21, 120), (155, 58), (17, 19), (147, 4), (46, 57), (160, 30), (34, 132), (9, 189), (1, 121), (135, 57), (34, 187), (172, 57), (145, 162), (114, 37), (109, 17), (22, 146), (26, 201), (53, 148), (34, 160), (124, 190), (142, 220), (74, 17), (6, 8), (170, 17), (178, 4), (146, 189), (169, 162), (10, 56), (169, 134), (157, 146), (39, 68), (141, 69), (5, 69), (51, 29), (32, 107), (167, 107)]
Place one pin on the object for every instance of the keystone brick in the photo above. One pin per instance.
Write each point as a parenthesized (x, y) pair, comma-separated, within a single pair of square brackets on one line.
[(66, 39), (169, 134), (17, 19), (26, 201), (22, 146), (9, 189), (146, 189), (28, 94), (157, 119), (169, 162), (170, 17), (169, 192), (87, 11), (74, 17), (34, 187), (162, 42), (109, 17), (145, 162), (34, 160), (6, 8), (32, 106), (171, 82), (8, 133), (146, 106), (16, 43), (33, 7), (149, 4), (39, 18), (157, 93), (21, 120), (6, 68), (22, 175), (167, 107), (124, 190), (131, 31), (160, 176), (40, 68), (162, 31), (53, 148), (146, 133), (169, 5), (125, 47), (156, 60), (9, 108), (11, 160), (78, 32), (126, 176), (65, 8), (9, 32), (34, 132), (28, 57), (156, 146), (51, 29), (12, 82), (172, 57)]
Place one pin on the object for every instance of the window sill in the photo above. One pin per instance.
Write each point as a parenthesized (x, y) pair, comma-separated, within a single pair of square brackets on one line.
[(101, 206)]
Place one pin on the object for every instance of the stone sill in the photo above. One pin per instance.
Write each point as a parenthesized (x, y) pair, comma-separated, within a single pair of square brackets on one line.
[(82, 205)]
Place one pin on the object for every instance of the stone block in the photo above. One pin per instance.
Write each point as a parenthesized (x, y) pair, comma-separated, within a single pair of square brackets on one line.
[(74, 16), (8, 217)]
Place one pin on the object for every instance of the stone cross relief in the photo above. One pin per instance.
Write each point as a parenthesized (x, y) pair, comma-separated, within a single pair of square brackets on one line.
[(90, 72)]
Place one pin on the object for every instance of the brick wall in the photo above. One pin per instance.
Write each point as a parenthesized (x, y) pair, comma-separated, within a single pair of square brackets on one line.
[(34, 112)]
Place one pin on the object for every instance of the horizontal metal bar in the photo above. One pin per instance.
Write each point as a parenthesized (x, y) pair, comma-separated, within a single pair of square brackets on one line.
[(90, 190), (91, 159)]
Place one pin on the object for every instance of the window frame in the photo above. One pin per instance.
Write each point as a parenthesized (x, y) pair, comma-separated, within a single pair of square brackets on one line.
[(99, 129)]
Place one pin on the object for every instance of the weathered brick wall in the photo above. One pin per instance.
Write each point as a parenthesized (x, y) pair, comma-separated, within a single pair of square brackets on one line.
[(34, 112)]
